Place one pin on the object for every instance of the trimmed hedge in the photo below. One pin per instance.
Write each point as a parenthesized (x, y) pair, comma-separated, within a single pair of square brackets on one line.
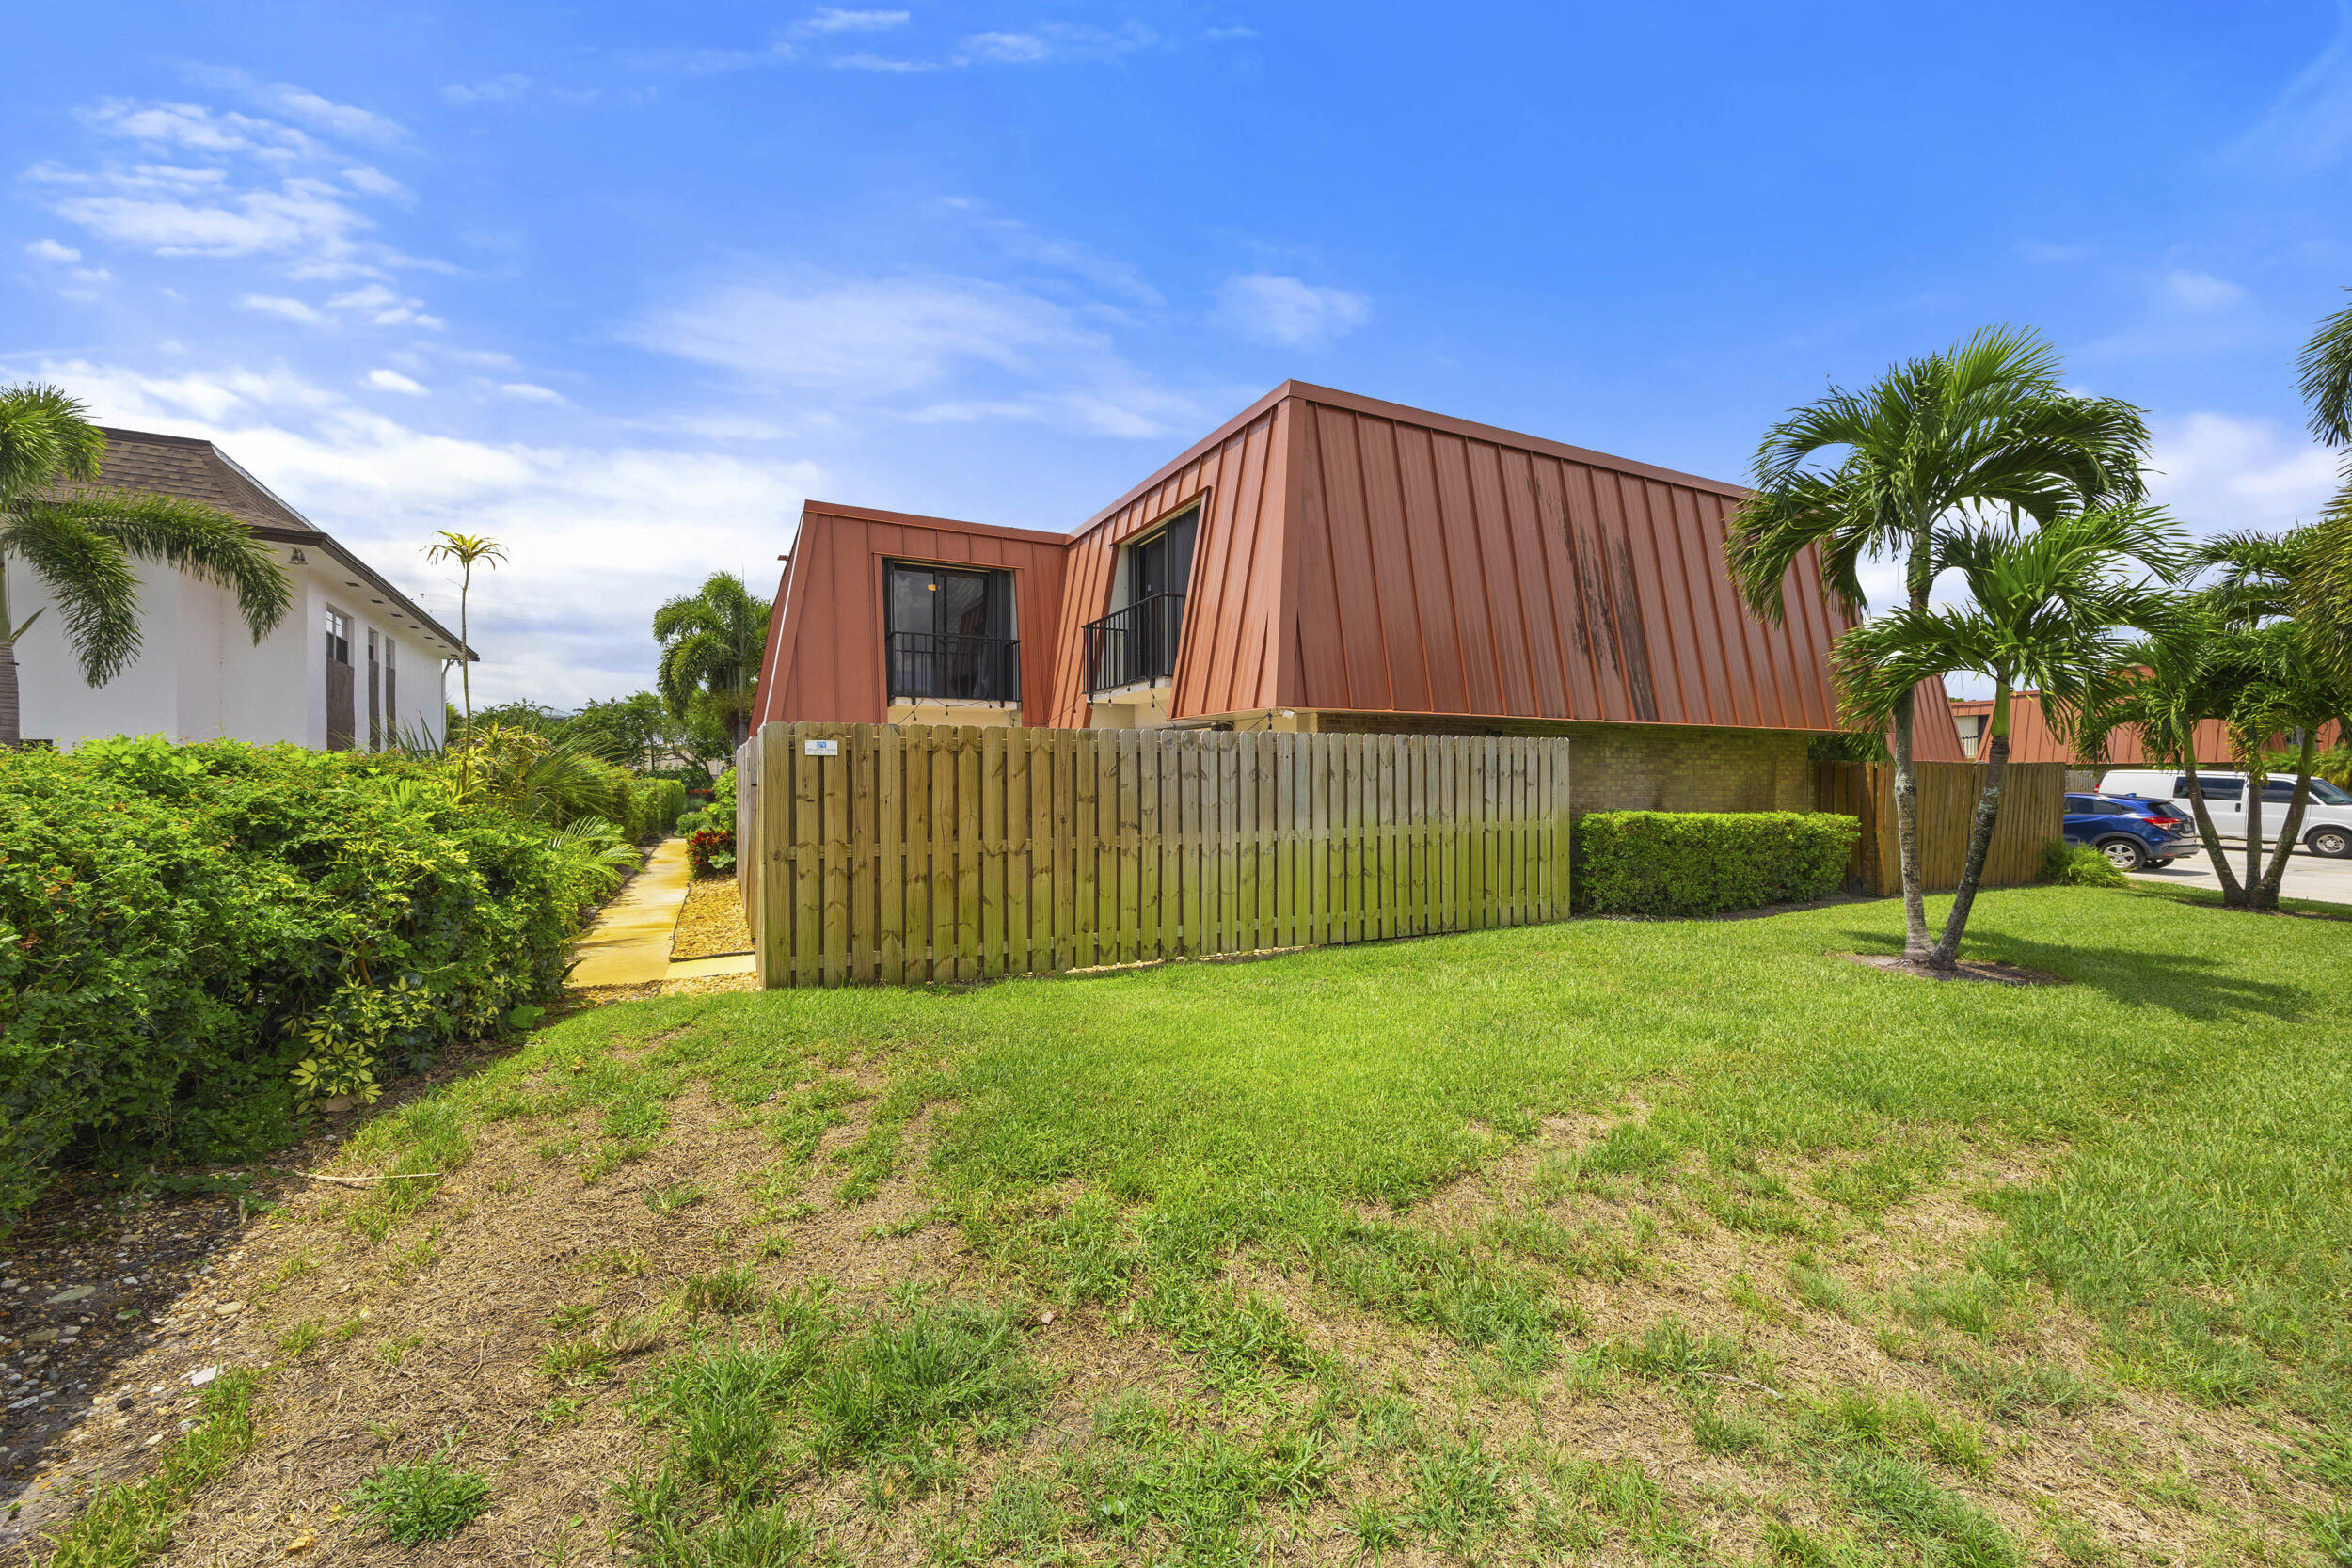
[(194, 938), (1672, 862)]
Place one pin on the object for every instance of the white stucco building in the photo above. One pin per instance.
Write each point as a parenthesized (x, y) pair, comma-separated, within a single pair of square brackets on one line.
[(353, 664)]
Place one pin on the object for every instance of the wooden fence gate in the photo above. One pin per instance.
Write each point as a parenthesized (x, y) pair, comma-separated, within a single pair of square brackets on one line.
[(2033, 806), (910, 853)]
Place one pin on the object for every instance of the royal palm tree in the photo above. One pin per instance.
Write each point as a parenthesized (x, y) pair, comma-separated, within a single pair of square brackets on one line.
[(712, 641), (2289, 684), (83, 544), (2049, 612), (468, 551), (2194, 671), (1936, 445), (2323, 591)]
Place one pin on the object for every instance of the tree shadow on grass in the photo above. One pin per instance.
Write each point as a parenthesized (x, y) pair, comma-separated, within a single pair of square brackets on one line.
[(2187, 983)]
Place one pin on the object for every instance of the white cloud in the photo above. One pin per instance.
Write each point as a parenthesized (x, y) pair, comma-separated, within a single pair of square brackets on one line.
[(2199, 291), (597, 534), (1274, 309), (2308, 126), (885, 64), (505, 88), (835, 19), (342, 119), (194, 128), (2220, 472), (50, 250), (530, 392), (1009, 48), (384, 307), (392, 381), (970, 348), (183, 212), (282, 308), (374, 182)]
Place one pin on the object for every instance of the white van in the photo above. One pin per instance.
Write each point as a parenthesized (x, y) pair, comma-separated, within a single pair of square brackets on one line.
[(2327, 817)]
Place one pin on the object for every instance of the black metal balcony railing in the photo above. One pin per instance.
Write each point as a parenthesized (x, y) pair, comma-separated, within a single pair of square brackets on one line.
[(1133, 645), (937, 667)]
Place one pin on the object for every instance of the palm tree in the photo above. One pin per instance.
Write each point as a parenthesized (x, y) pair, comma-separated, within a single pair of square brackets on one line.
[(1933, 444), (82, 544), (712, 643), (2288, 684), (468, 550), (2047, 612), (2323, 592), (2192, 671)]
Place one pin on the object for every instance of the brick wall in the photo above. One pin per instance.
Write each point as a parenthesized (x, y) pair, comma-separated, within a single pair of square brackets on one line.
[(1641, 766)]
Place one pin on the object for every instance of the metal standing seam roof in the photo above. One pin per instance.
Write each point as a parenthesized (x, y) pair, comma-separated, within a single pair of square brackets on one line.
[(1356, 554), (192, 468)]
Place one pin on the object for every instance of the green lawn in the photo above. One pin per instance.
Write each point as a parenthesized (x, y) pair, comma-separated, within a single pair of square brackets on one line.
[(1698, 1153)]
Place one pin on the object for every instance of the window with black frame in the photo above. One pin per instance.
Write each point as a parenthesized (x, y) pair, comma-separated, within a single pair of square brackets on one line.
[(951, 634), (1136, 641)]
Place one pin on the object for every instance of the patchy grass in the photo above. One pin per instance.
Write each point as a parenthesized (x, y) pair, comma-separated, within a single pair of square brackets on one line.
[(1634, 1241), (428, 1500), (126, 1526)]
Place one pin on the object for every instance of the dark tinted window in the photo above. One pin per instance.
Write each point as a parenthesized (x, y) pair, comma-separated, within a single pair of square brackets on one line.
[(2079, 804), (2215, 789), (2278, 790)]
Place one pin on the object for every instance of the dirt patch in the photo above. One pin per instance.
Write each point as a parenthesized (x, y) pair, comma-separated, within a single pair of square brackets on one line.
[(1966, 969), (710, 923)]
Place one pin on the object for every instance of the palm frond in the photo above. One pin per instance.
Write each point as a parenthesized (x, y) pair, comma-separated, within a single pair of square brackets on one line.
[(207, 544), (90, 576), (2326, 369), (45, 436)]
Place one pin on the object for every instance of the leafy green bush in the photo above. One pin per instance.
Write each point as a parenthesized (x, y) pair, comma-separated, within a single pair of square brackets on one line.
[(2065, 864), (191, 937), (663, 801), (710, 851), (1707, 863), (718, 814)]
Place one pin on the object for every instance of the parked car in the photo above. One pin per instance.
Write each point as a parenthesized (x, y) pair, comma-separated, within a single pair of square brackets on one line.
[(2132, 833), (2327, 815)]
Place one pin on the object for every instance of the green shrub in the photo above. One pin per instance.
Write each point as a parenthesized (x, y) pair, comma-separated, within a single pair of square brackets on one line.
[(662, 800), (1707, 863), (710, 851), (2067, 864), (718, 814), (191, 937)]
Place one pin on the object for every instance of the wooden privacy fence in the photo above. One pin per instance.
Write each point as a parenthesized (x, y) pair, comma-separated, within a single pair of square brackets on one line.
[(907, 853), (2033, 806)]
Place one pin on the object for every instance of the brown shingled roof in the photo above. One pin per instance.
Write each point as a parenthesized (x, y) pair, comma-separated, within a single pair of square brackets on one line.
[(192, 468)]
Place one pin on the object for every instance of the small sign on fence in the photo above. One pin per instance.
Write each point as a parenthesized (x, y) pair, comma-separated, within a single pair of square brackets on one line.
[(821, 748)]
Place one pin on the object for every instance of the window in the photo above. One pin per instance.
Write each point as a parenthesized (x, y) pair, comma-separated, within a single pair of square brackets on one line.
[(950, 634), (2323, 793), (2214, 789), (1136, 642), (338, 636)]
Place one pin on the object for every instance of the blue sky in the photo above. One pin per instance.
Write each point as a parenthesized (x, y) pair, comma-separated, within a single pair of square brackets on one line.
[(623, 284)]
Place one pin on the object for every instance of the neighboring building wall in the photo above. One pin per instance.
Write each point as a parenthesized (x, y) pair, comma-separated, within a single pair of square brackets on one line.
[(200, 675), (1642, 767), (57, 704)]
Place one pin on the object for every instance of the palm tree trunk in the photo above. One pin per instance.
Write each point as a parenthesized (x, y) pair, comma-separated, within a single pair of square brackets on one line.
[(2232, 893), (11, 718), (2265, 895), (1946, 954), (1915, 944), (2254, 803)]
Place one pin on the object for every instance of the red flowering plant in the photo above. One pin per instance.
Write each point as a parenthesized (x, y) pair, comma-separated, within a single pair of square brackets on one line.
[(711, 851)]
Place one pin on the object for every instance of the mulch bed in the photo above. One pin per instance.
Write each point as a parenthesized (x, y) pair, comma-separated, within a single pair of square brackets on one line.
[(2000, 974), (711, 922)]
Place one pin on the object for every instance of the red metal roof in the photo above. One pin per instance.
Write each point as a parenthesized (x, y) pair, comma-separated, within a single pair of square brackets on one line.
[(2031, 740), (1355, 554)]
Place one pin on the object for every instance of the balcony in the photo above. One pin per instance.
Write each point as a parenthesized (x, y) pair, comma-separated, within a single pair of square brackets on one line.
[(929, 667), (1136, 646)]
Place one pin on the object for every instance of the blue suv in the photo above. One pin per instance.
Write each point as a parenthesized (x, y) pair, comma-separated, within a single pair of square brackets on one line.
[(2131, 832)]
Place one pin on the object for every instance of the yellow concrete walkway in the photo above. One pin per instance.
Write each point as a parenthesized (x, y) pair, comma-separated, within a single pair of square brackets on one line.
[(629, 943)]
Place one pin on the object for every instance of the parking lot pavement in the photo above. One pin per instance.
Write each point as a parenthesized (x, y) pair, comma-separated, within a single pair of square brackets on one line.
[(2308, 875)]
